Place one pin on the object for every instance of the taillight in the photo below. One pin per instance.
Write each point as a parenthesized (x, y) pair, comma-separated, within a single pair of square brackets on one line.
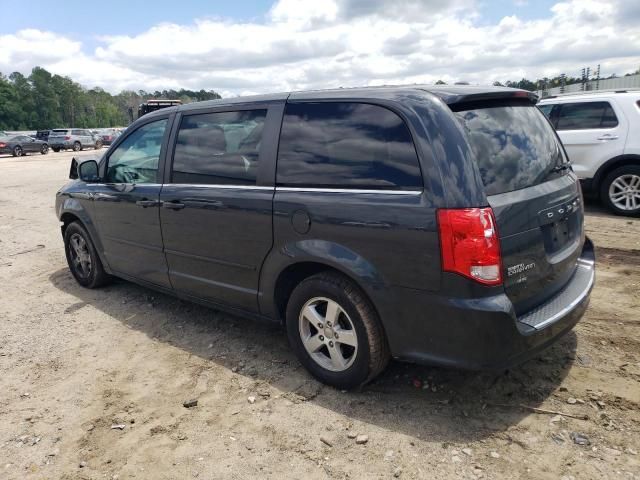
[(2, 145), (469, 244), (67, 137)]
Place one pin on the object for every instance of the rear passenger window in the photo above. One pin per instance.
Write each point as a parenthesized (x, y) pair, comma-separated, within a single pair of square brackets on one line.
[(219, 148), (76, 132), (586, 115), (346, 145)]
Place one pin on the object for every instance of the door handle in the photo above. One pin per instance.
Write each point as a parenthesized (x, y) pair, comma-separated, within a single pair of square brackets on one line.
[(147, 203), (105, 197), (173, 205), (608, 137)]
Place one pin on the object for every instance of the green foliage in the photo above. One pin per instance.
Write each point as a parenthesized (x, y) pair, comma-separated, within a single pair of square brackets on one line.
[(44, 101)]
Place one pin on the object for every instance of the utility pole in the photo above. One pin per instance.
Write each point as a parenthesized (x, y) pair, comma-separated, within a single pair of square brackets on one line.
[(598, 78), (563, 82), (586, 73)]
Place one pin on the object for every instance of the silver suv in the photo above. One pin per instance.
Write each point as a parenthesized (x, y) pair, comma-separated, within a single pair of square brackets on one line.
[(73, 138)]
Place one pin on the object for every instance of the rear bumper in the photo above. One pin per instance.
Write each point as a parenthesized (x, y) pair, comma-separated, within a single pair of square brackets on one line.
[(485, 333), (58, 144)]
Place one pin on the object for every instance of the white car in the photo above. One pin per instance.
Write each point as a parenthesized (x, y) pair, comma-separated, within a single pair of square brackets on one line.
[(601, 134)]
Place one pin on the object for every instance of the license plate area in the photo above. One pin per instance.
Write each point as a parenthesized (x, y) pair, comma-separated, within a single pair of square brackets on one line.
[(561, 225)]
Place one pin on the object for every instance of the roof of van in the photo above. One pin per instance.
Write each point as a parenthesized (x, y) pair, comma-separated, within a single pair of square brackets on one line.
[(449, 94)]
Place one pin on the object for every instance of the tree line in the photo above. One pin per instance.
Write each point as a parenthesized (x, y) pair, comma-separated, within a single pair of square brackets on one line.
[(546, 82), (44, 101)]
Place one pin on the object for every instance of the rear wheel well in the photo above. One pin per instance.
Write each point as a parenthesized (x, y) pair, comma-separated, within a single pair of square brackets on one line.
[(611, 165), (291, 277)]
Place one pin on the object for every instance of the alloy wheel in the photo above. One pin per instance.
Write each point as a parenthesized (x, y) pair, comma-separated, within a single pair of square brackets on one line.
[(80, 257), (624, 192), (328, 334)]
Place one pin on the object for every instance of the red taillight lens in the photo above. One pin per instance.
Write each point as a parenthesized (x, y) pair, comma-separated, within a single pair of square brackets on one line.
[(469, 244), (2, 145), (67, 137)]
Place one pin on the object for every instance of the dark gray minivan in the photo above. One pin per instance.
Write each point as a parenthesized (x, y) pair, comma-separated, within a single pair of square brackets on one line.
[(432, 225)]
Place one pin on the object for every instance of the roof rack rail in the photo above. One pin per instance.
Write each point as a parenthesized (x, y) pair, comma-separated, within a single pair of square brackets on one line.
[(590, 92)]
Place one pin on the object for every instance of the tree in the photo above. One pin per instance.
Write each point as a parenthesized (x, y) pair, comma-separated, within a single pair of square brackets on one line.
[(43, 101), (440, 82)]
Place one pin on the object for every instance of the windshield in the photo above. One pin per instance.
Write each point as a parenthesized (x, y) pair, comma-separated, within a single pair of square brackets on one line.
[(514, 146)]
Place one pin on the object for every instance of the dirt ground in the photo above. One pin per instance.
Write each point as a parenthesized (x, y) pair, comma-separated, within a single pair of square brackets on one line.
[(75, 362)]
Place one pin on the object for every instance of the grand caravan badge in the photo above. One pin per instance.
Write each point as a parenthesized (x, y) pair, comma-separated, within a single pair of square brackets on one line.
[(520, 268)]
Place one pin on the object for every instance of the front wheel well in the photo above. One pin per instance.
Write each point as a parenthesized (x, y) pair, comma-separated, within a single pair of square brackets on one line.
[(611, 165), (68, 218), (291, 277)]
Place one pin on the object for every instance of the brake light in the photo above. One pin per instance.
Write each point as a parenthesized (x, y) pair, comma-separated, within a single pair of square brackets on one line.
[(469, 244), (67, 137), (2, 145)]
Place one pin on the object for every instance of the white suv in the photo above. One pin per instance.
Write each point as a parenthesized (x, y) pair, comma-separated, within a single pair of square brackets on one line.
[(601, 133)]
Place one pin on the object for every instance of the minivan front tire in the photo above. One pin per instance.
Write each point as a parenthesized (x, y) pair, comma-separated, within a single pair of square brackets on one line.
[(620, 190), (82, 258), (335, 332)]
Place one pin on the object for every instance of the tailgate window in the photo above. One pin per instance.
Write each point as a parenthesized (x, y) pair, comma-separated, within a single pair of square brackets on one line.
[(513, 144)]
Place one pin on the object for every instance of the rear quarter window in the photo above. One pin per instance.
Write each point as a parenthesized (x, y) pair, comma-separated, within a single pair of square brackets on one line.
[(513, 145), (346, 145)]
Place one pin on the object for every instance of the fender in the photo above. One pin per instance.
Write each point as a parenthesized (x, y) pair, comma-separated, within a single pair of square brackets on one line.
[(323, 252), (72, 202)]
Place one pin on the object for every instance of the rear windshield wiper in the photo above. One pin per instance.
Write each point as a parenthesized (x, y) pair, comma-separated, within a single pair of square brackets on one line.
[(561, 167)]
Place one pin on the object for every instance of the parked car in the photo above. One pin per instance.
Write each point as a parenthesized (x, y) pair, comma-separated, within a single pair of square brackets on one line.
[(433, 225), (600, 130), (73, 138), (108, 135), (42, 135), (21, 144)]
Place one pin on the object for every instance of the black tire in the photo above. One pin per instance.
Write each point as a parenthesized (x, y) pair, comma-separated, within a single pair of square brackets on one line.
[(98, 145), (17, 151), (55, 149), (45, 149), (92, 276), (623, 174), (77, 146), (372, 354)]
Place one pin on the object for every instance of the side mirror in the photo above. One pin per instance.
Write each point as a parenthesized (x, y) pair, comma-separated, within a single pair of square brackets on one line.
[(88, 171)]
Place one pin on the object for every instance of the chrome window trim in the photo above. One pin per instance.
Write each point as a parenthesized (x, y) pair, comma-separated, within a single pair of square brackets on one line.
[(277, 189), (210, 185), (348, 190)]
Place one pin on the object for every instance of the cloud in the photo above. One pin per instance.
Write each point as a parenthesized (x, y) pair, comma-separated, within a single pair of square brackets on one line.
[(309, 44)]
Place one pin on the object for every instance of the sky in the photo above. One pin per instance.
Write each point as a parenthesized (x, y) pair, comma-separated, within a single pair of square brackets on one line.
[(259, 46)]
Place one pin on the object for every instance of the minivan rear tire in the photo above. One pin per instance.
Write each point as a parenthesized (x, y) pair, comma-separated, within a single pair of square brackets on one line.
[(621, 174), (94, 276), (371, 355)]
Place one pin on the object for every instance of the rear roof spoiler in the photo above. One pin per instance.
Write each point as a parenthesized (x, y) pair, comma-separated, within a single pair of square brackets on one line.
[(454, 96)]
